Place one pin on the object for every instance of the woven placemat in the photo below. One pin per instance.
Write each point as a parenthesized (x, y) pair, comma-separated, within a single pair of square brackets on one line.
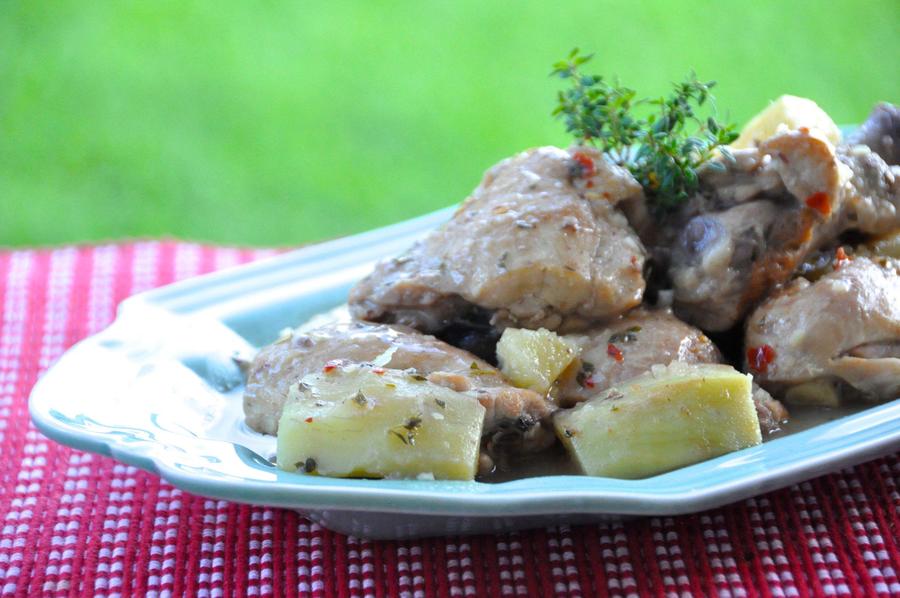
[(80, 524)]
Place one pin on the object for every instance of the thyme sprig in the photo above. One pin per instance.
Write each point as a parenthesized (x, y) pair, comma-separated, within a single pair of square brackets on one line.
[(663, 149)]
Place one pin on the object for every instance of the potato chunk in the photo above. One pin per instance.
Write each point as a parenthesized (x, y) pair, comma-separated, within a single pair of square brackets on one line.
[(534, 358), (671, 417), (787, 113), (362, 421), (887, 245)]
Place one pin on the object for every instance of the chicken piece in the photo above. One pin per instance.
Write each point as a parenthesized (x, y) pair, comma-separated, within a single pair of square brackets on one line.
[(540, 243), (756, 219), (770, 412), (833, 339), (632, 344), (871, 196), (628, 346), (513, 415), (881, 133)]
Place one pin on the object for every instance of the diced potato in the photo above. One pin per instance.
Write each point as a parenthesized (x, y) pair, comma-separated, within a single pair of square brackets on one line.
[(360, 421), (671, 417), (818, 393), (887, 245), (787, 113), (534, 358)]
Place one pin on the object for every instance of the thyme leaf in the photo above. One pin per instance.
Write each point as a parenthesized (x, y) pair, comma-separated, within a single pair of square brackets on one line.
[(664, 148)]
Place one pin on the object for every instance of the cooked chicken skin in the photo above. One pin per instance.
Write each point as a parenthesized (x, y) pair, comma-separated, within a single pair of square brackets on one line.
[(837, 336), (629, 346), (511, 413), (769, 411), (757, 218), (881, 133), (539, 243)]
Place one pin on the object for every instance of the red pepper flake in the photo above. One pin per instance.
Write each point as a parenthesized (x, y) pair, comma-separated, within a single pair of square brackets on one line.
[(840, 257), (589, 382), (804, 130), (308, 420), (378, 371), (614, 352), (330, 367), (759, 358), (589, 184), (820, 202), (634, 261), (587, 164)]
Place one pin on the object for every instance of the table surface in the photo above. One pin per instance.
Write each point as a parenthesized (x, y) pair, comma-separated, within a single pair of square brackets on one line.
[(75, 523)]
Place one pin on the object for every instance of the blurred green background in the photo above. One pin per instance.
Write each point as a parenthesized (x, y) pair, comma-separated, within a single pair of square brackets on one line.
[(276, 123)]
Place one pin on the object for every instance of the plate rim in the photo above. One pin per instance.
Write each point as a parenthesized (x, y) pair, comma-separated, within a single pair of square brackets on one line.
[(585, 496)]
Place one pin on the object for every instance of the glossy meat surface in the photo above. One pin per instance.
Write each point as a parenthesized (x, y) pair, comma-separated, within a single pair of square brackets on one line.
[(759, 217), (881, 133), (837, 336), (539, 243), (629, 346), (510, 412)]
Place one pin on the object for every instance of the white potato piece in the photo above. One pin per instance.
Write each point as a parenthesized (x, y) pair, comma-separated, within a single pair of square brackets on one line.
[(673, 416), (787, 113), (534, 359), (887, 245), (365, 421)]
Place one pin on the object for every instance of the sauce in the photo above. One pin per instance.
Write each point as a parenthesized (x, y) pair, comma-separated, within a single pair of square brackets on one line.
[(555, 461)]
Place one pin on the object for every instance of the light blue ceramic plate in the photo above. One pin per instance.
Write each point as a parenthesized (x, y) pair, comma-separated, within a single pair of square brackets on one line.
[(158, 389)]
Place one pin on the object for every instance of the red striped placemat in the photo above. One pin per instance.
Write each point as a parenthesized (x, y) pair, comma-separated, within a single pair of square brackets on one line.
[(80, 524)]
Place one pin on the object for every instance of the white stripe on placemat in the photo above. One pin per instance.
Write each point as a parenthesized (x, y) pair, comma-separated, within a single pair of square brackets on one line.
[(12, 336), (187, 260), (32, 469), (770, 545), (144, 266)]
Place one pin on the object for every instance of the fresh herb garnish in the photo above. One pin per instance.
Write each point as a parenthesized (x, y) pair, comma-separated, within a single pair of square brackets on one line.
[(663, 149)]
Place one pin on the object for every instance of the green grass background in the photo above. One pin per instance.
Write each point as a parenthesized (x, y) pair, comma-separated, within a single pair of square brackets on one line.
[(278, 123)]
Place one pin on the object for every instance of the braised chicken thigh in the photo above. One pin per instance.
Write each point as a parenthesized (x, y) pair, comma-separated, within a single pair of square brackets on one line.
[(512, 414), (881, 133), (832, 339), (758, 216), (628, 346), (539, 243)]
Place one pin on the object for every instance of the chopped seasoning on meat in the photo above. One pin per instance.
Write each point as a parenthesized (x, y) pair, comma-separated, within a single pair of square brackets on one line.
[(819, 202), (614, 352), (625, 336), (583, 166), (759, 358), (840, 258)]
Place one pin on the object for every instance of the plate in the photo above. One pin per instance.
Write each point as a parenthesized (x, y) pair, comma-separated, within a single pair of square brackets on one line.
[(159, 389)]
